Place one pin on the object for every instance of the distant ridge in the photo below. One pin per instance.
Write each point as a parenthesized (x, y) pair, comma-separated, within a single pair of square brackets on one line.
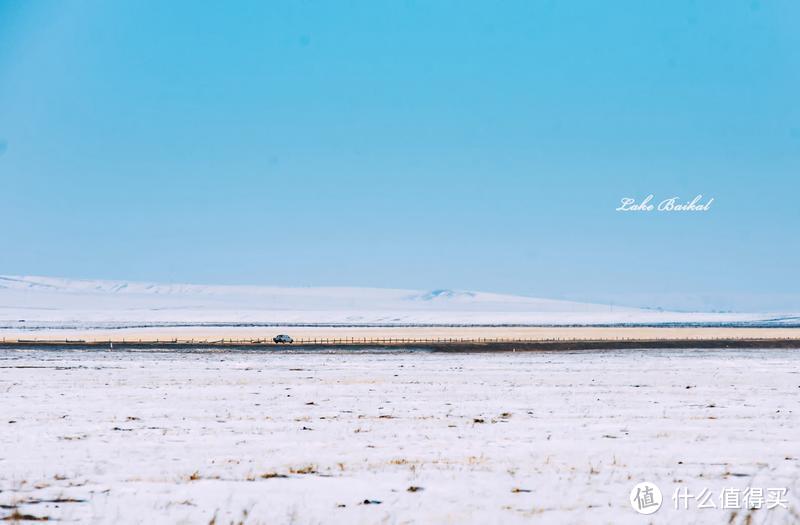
[(79, 302)]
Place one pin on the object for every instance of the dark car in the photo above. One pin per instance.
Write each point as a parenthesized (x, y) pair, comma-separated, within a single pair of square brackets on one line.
[(283, 338)]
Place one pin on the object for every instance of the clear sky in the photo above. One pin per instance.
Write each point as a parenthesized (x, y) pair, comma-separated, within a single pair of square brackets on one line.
[(467, 145)]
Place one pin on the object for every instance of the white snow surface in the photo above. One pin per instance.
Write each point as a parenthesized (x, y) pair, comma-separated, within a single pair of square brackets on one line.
[(80, 303), (285, 437)]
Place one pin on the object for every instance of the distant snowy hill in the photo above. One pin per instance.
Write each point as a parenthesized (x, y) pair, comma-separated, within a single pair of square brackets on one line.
[(70, 302)]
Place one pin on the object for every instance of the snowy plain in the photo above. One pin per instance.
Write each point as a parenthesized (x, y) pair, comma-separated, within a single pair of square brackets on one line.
[(311, 437)]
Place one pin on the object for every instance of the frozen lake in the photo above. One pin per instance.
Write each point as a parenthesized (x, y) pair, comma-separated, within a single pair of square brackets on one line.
[(396, 437)]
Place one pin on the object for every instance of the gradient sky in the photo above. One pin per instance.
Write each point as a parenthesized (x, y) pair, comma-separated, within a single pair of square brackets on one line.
[(468, 145)]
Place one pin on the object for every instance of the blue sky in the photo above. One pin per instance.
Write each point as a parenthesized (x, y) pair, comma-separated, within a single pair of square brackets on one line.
[(469, 145)]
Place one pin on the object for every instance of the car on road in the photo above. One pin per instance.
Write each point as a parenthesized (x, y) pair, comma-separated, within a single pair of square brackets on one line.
[(282, 338)]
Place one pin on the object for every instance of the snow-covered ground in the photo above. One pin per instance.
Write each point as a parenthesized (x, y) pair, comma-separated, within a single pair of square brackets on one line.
[(36, 302), (264, 437)]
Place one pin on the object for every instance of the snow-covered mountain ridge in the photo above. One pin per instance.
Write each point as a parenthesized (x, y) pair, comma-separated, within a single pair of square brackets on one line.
[(45, 300)]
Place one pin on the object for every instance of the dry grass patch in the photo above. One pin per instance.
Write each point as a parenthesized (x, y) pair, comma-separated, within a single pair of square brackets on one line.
[(308, 469)]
